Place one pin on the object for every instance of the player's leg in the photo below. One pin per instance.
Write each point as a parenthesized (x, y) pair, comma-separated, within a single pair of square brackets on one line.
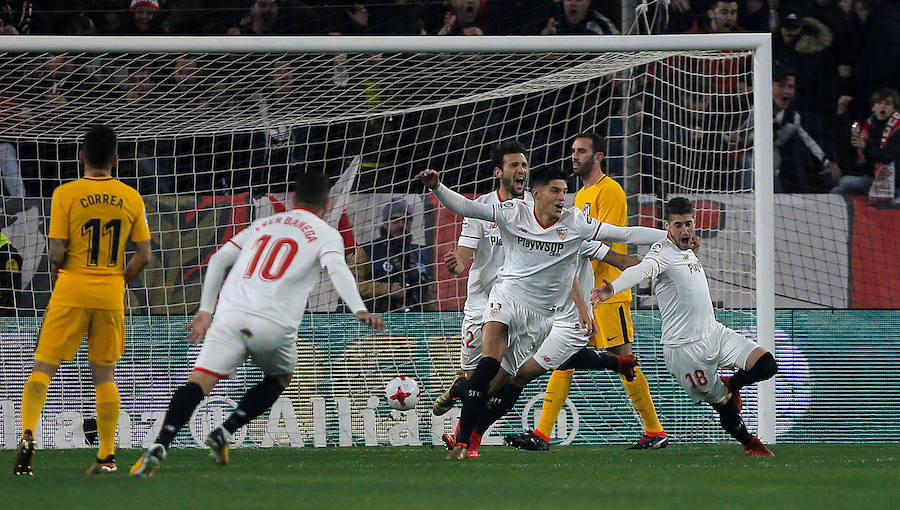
[(222, 352), (469, 356), (755, 364), (108, 403), (106, 343), (563, 340), (474, 399), (615, 333), (760, 366), (273, 349), (61, 332)]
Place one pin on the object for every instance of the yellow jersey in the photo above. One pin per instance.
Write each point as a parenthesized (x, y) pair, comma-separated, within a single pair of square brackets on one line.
[(97, 216), (605, 201)]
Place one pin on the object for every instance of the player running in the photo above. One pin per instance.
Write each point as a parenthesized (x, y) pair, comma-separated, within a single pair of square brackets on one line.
[(276, 262)]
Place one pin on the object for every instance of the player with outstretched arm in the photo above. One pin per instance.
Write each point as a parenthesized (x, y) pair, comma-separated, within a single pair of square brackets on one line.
[(480, 243), (541, 245), (276, 262), (695, 344)]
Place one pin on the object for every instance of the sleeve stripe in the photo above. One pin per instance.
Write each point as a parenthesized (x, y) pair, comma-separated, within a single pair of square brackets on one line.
[(330, 251), (470, 237), (234, 243), (596, 251), (597, 231)]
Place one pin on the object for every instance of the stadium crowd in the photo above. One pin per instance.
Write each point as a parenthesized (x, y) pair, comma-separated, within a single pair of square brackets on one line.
[(838, 86)]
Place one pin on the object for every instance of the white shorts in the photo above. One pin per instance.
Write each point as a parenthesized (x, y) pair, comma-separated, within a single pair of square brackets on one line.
[(526, 328), (696, 364), (564, 340), (235, 335), (470, 352)]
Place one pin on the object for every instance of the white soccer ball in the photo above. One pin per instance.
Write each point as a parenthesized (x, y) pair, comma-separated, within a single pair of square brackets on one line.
[(402, 393)]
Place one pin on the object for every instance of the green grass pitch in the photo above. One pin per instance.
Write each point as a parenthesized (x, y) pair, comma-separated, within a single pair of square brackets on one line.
[(811, 476)]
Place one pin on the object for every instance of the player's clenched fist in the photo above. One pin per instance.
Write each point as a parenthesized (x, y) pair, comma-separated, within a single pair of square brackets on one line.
[(430, 178)]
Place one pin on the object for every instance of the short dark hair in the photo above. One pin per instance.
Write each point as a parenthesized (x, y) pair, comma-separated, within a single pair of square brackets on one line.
[(503, 148), (99, 147), (311, 189), (678, 205), (542, 175), (884, 93), (782, 72), (598, 143)]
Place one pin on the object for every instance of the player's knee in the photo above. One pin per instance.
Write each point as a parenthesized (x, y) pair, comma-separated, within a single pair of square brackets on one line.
[(284, 379), (765, 367), (277, 382)]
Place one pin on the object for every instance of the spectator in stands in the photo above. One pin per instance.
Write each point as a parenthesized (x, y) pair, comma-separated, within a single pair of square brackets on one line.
[(721, 18), (144, 19), (578, 18), (263, 20), (266, 17), (11, 114), (758, 16), (804, 44), (878, 56), (15, 17), (398, 17), (874, 141), (353, 20), (464, 18), (81, 25), (393, 272), (791, 175), (10, 276)]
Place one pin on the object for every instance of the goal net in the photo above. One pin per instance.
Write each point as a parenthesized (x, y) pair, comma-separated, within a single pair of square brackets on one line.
[(211, 131)]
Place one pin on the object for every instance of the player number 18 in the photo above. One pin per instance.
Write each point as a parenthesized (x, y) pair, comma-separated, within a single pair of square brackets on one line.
[(699, 378)]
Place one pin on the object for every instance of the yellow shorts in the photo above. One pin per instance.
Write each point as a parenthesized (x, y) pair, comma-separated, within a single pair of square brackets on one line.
[(614, 326), (65, 326)]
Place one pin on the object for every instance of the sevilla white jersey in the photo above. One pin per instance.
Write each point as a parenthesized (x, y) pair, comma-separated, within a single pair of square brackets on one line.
[(539, 260), (590, 250), (279, 262), (682, 293), (484, 237)]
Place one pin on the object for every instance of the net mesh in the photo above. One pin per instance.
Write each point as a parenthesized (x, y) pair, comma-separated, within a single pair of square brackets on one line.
[(211, 140)]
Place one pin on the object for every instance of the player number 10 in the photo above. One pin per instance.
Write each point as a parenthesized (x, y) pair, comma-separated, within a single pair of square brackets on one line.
[(269, 270)]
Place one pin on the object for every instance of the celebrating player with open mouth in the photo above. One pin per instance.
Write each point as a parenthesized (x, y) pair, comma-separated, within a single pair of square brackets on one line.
[(541, 245), (695, 344)]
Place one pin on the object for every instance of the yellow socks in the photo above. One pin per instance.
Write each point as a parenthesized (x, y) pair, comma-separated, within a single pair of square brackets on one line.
[(33, 397), (107, 418), (639, 393), (554, 398)]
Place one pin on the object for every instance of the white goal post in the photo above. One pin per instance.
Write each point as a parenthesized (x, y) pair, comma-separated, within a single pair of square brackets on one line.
[(762, 151)]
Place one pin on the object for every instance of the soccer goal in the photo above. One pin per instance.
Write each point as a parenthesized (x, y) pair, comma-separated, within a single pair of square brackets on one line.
[(210, 130)]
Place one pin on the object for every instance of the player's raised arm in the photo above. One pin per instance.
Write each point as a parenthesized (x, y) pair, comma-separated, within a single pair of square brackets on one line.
[(631, 235), (453, 200)]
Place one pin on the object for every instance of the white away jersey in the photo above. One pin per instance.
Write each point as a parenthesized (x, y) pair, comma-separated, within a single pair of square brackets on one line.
[(590, 250), (682, 293), (484, 237), (539, 260), (278, 265)]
